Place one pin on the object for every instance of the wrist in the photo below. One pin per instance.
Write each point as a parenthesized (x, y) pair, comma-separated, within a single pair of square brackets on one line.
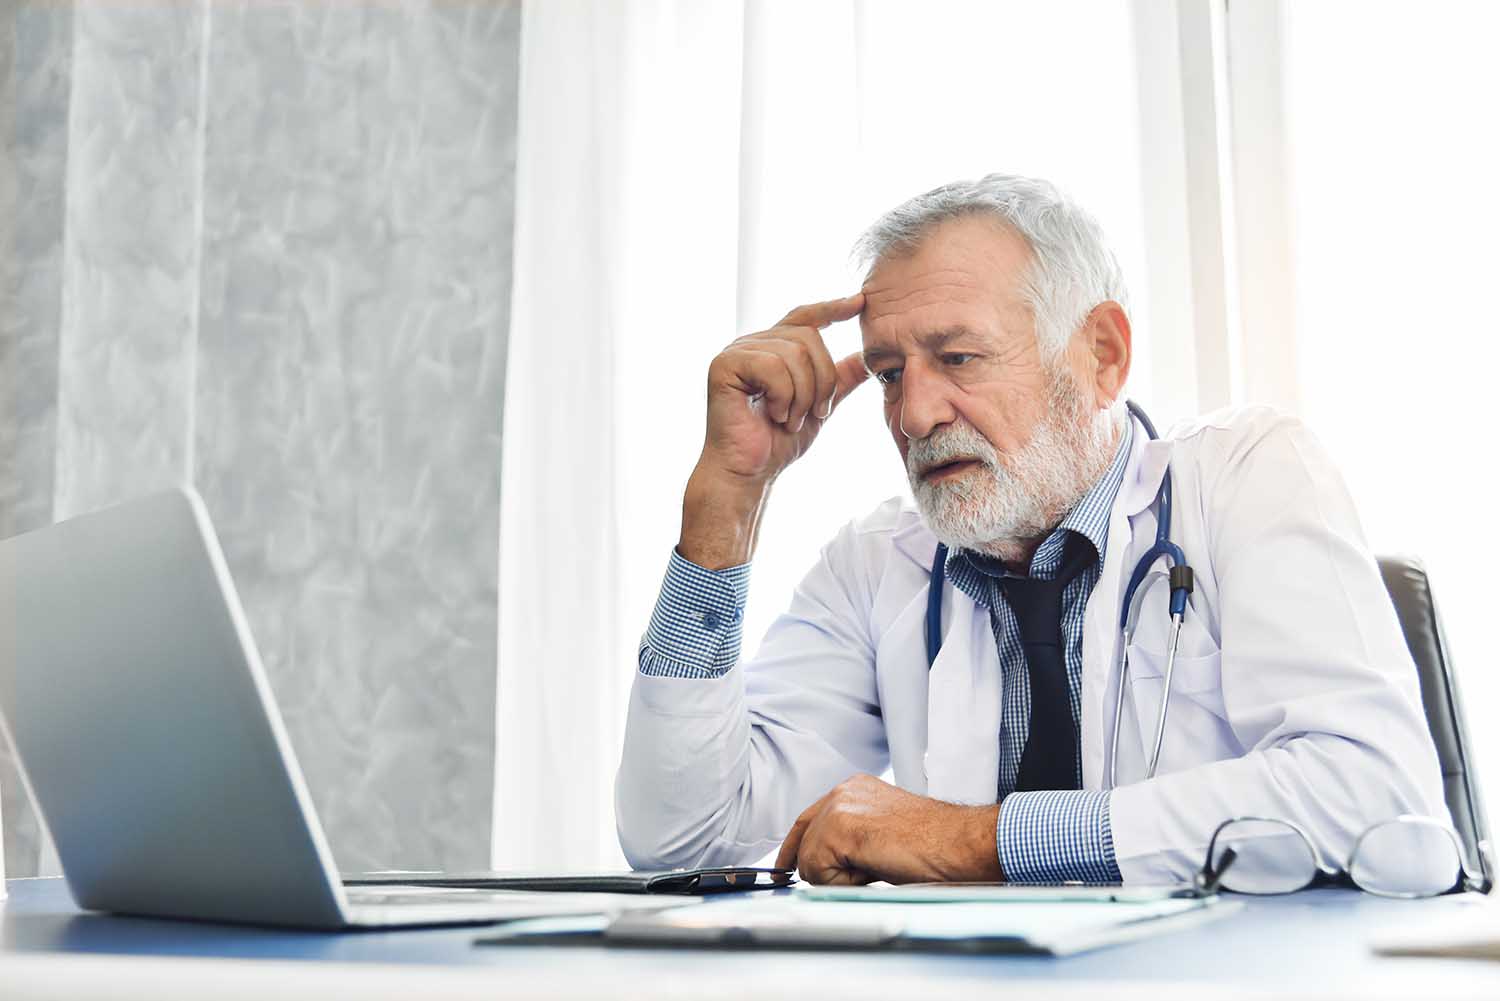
[(720, 518), (977, 851)]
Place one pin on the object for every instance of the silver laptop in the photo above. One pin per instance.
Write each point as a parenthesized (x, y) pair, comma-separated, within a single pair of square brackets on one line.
[(132, 693)]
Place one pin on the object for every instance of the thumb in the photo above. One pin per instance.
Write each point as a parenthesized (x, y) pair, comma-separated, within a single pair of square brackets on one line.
[(851, 372)]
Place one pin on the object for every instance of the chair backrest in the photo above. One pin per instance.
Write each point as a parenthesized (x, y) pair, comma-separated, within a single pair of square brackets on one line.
[(1411, 593)]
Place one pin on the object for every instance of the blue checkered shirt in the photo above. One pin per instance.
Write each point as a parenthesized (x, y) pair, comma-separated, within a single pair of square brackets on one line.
[(1044, 836)]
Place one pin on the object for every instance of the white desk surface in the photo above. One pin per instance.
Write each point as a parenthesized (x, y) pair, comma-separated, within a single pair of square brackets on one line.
[(1313, 944)]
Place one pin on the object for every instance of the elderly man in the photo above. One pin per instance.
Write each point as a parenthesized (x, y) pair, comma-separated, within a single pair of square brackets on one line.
[(993, 321)]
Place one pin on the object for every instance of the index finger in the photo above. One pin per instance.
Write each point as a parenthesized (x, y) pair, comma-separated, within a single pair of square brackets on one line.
[(786, 858), (793, 841), (821, 314)]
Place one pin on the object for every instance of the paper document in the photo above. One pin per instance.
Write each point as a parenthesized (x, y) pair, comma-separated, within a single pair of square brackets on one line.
[(793, 921)]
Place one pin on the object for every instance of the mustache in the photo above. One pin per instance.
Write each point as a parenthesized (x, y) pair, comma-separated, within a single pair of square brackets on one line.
[(949, 444)]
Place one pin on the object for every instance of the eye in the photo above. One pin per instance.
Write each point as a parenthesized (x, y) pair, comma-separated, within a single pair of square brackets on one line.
[(888, 376), (954, 359)]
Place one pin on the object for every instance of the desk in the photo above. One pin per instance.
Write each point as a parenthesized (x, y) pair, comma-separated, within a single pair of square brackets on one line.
[(1308, 944)]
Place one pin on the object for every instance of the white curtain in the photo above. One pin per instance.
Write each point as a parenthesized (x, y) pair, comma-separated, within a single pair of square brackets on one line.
[(627, 179), (688, 172)]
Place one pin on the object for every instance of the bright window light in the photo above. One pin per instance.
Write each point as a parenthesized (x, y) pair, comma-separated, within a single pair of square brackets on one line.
[(1394, 161)]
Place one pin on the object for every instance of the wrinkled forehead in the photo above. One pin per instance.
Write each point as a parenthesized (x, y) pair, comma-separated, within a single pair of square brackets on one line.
[(966, 272)]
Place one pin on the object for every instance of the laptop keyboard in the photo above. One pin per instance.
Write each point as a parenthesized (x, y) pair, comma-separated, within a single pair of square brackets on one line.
[(388, 896)]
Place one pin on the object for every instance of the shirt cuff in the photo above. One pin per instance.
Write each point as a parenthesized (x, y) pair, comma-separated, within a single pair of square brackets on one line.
[(1056, 836), (696, 625)]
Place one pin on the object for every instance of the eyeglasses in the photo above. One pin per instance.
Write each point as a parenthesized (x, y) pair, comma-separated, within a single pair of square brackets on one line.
[(1405, 857)]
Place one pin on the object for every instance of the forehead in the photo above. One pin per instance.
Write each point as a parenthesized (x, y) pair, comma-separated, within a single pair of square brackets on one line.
[(965, 273)]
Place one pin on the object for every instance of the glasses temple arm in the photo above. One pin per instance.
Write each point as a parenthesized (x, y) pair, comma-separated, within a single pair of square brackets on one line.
[(1210, 878)]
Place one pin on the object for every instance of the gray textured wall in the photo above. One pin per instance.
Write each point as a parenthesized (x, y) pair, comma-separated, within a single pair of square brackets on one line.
[(280, 266), (36, 55), (125, 359)]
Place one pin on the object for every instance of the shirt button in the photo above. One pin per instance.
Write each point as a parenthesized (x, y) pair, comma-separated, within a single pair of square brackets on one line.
[(710, 620)]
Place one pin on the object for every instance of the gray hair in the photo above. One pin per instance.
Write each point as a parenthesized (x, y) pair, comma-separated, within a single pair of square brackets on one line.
[(1072, 268)]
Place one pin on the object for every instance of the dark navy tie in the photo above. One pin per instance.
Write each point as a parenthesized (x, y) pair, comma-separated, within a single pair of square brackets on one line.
[(1050, 759)]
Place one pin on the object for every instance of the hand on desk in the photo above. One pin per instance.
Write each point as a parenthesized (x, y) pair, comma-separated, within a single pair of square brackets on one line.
[(867, 830)]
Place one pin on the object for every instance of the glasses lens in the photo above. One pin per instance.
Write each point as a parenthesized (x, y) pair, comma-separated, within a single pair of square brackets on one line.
[(1269, 857), (1407, 858)]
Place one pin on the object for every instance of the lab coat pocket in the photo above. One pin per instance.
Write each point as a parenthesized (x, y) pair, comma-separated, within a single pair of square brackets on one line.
[(1197, 728), (1196, 679), (1195, 675)]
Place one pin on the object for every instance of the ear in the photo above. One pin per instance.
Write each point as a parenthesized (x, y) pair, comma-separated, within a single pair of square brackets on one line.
[(1106, 334)]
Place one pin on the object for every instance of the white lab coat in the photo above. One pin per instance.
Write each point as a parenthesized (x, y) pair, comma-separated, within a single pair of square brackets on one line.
[(1293, 695)]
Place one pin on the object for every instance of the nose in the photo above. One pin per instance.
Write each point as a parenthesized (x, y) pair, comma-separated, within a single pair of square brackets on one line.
[(925, 403)]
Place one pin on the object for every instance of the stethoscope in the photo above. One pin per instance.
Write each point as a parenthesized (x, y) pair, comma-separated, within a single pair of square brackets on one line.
[(1179, 579)]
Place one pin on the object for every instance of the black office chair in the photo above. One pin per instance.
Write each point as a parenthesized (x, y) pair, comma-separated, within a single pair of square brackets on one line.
[(1411, 593)]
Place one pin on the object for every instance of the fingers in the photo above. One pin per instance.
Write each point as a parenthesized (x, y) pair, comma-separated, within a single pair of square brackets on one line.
[(807, 348), (814, 377), (787, 857), (821, 314), (834, 873), (797, 358), (764, 373), (825, 372), (824, 853), (806, 382), (812, 846)]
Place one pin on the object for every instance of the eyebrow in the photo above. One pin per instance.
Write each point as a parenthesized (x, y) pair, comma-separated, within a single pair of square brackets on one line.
[(934, 341)]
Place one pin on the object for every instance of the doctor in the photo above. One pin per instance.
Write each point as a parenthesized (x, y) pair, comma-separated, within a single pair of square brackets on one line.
[(994, 323)]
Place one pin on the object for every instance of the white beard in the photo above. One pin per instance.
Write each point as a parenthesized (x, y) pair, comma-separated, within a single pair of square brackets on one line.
[(1011, 502)]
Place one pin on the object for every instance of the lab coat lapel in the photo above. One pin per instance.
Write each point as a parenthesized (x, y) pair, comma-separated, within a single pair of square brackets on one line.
[(963, 708), (901, 677), (1129, 537)]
